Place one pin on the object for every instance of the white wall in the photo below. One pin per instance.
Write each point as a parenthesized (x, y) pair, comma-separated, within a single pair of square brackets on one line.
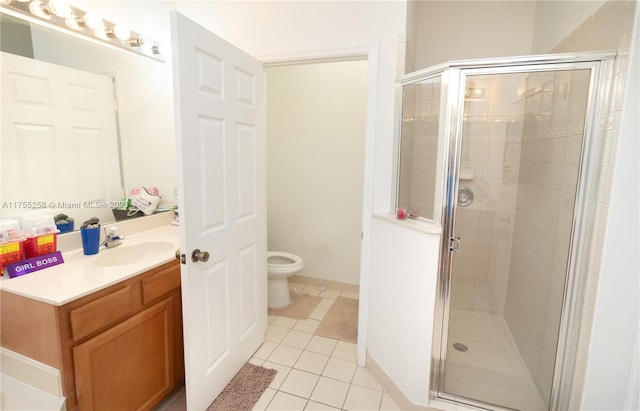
[(555, 20), (150, 18), (403, 287), (273, 29), (316, 118), (279, 30), (458, 30)]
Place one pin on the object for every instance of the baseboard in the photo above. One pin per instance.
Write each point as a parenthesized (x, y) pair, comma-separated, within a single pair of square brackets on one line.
[(335, 285), (390, 387), (31, 372), (17, 395)]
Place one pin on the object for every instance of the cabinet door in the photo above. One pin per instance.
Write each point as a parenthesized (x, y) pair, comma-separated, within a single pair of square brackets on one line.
[(129, 366)]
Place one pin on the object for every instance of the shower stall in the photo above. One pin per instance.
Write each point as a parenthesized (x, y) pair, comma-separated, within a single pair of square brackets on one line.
[(500, 154)]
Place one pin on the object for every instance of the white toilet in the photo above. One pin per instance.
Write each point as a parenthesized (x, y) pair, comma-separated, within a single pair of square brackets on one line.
[(280, 266)]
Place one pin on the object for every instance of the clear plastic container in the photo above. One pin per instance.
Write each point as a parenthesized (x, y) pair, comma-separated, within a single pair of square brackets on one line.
[(41, 233), (11, 243)]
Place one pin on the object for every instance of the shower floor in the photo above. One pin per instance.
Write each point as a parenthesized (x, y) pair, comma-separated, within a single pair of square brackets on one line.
[(491, 370)]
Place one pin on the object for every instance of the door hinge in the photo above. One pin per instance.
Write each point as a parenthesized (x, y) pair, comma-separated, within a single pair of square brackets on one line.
[(181, 257)]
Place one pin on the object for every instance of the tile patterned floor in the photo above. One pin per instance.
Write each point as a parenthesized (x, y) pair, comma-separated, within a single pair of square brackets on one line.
[(314, 372)]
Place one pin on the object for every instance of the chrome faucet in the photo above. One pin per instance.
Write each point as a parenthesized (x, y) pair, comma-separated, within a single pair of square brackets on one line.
[(112, 238)]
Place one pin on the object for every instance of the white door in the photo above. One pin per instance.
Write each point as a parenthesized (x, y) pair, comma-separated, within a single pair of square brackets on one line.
[(58, 122), (220, 123)]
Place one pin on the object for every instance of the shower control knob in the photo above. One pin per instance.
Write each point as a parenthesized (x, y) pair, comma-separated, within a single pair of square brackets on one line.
[(198, 255)]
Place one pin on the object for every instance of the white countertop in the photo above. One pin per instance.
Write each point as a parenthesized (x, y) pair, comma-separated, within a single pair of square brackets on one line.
[(78, 276), (422, 226)]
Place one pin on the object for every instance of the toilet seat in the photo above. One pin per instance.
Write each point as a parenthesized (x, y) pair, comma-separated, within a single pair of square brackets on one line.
[(279, 262)]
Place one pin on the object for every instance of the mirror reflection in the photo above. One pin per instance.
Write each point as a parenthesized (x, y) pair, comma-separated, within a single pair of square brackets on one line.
[(82, 125)]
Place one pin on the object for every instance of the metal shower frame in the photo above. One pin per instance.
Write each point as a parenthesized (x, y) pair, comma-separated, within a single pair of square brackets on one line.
[(453, 77)]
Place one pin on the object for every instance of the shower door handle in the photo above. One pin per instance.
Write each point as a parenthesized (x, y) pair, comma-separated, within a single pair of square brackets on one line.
[(454, 244)]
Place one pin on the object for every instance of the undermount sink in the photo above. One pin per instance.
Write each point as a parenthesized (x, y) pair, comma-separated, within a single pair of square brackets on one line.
[(131, 253)]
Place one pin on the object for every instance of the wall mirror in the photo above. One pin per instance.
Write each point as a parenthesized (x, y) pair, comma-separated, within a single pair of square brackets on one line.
[(93, 123)]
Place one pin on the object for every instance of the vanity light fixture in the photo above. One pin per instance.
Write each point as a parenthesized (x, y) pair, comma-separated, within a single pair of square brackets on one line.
[(92, 20), (37, 8), (75, 22), (136, 41), (101, 33), (62, 16), (122, 32), (60, 8), (47, 9)]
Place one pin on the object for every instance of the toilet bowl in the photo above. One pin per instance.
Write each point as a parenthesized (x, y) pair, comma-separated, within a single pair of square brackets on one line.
[(280, 266)]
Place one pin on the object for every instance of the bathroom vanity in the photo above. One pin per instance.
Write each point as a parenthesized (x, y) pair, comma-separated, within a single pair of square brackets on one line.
[(112, 326)]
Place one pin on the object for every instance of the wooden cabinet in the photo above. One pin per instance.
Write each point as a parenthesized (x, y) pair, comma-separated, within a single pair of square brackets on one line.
[(129, 366), (120, 348)]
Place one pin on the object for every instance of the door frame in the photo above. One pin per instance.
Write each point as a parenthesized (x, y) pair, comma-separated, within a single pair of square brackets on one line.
[(453, 106), (368, 52)]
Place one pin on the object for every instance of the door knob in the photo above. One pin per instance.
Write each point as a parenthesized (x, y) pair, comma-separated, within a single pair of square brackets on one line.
[(198, 255)]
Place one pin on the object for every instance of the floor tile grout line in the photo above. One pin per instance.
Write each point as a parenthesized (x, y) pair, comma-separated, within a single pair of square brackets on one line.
[(321, 375), (330, 355)]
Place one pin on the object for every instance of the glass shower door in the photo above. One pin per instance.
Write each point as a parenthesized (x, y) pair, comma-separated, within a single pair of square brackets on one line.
[(518, 154), (418, 160)]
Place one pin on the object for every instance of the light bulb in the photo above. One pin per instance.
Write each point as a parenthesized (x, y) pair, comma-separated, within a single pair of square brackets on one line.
[(122, 32), (101, 33), (36, 8), (93, 21), (60, 8), (75, 22), (5, 1)]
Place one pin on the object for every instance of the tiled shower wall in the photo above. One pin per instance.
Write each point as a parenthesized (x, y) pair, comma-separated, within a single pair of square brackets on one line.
[(550, 156), (407, 146), (491, 143), (610, 28), (420, 118)]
